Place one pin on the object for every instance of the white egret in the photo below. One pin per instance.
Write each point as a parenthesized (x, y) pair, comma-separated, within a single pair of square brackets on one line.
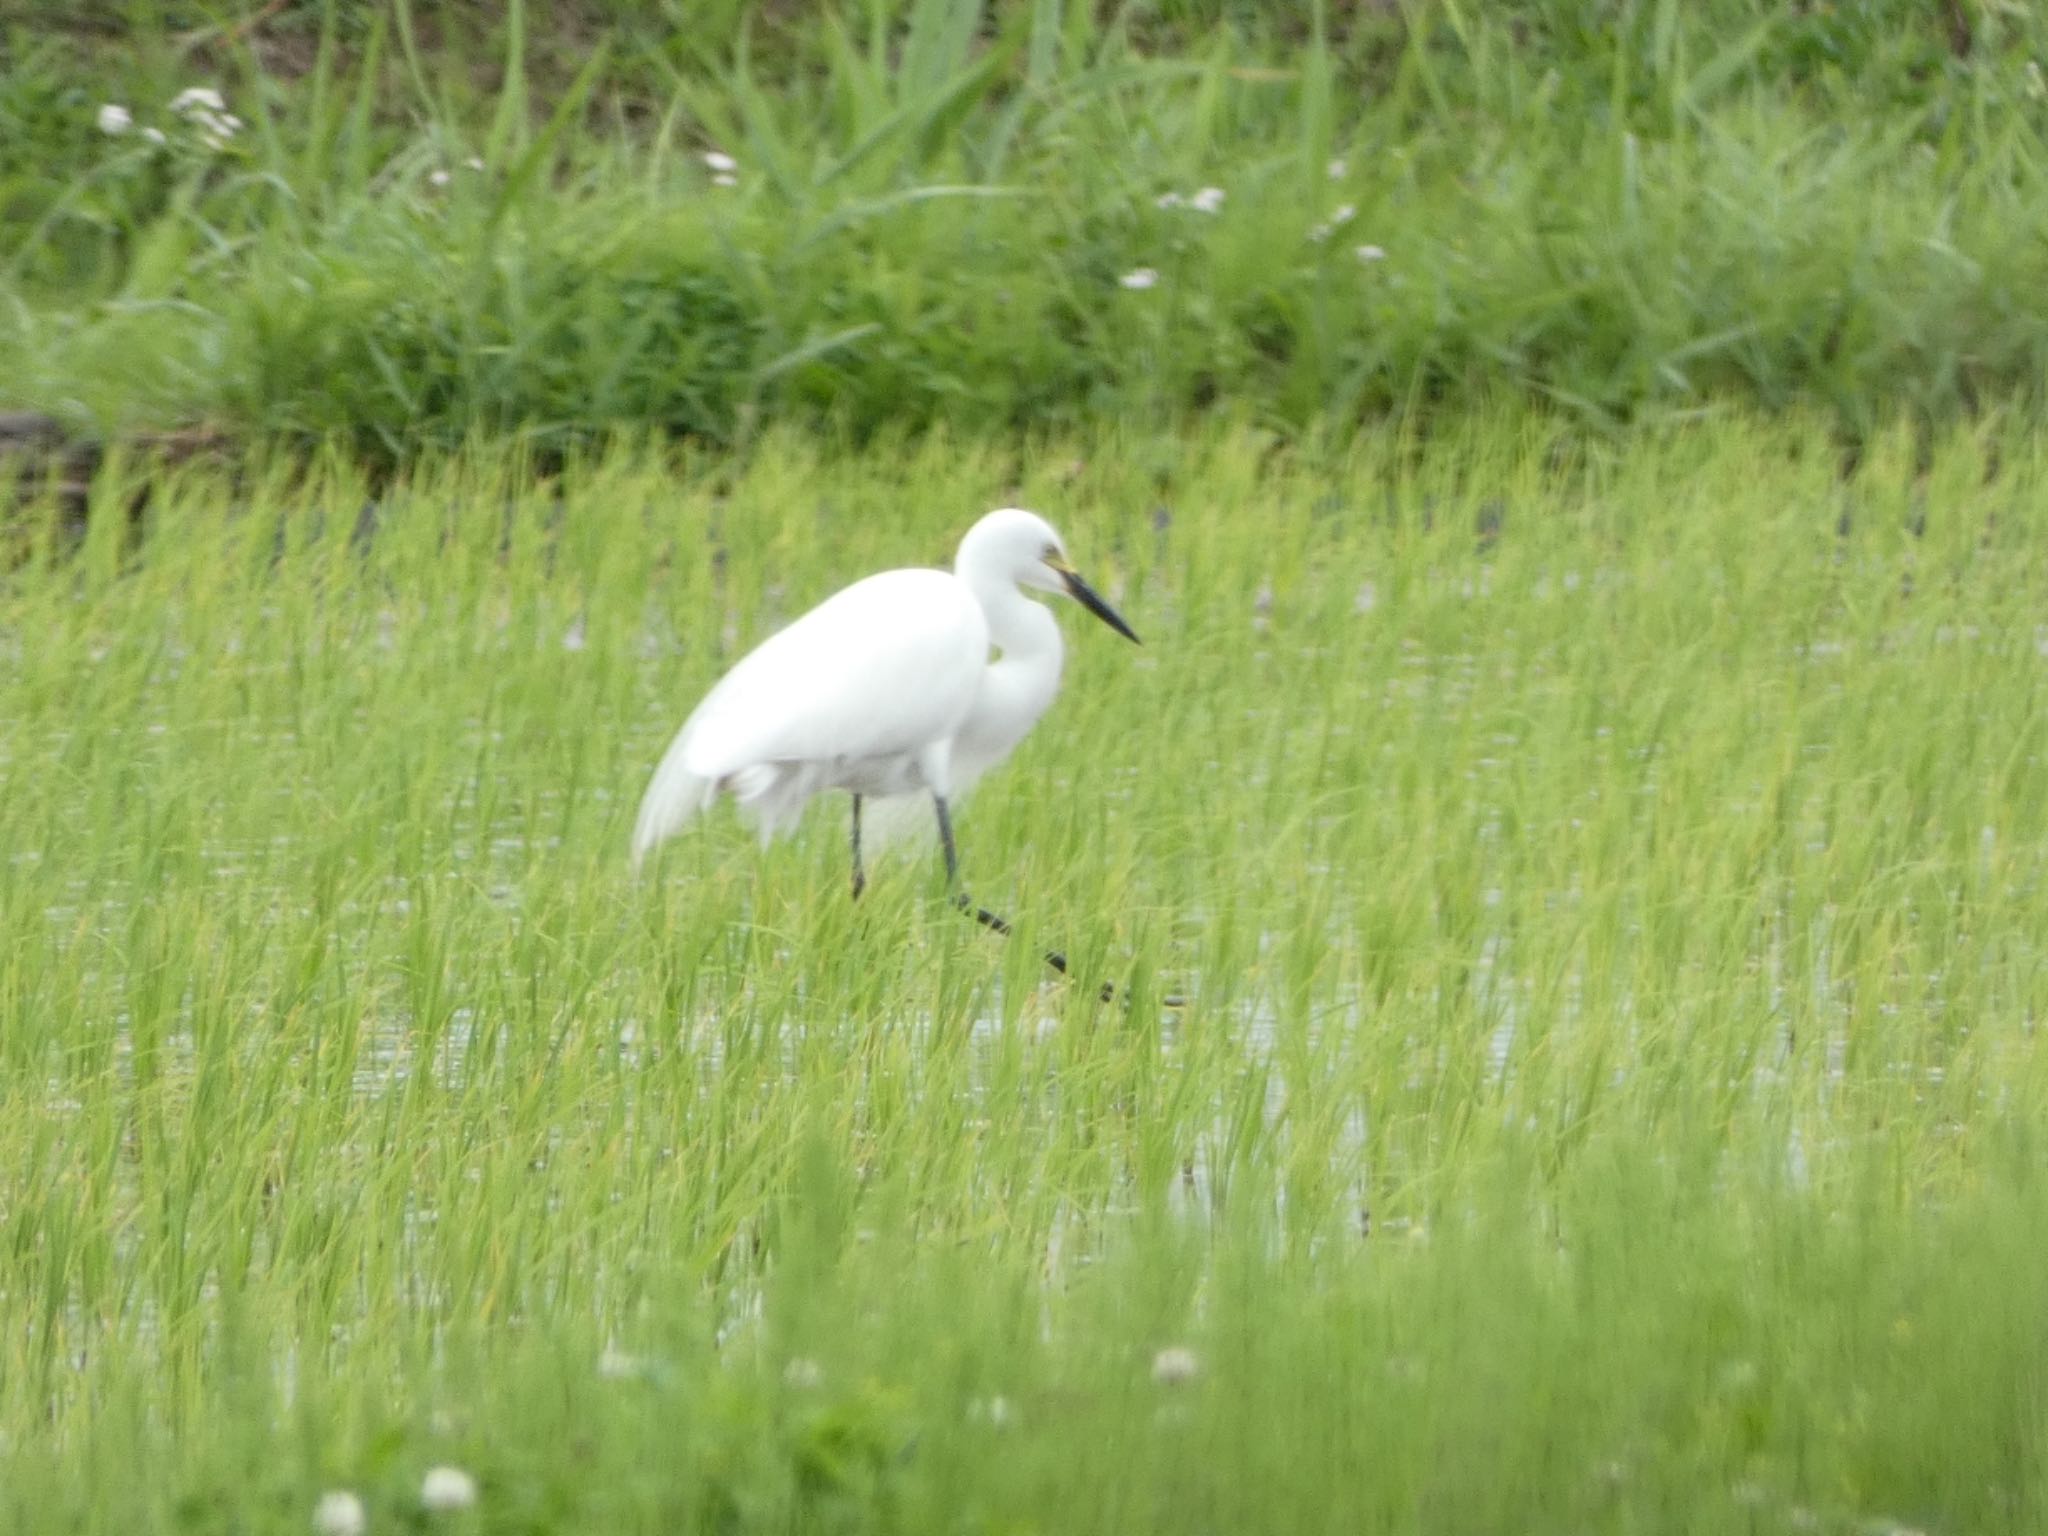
[(886, 688)]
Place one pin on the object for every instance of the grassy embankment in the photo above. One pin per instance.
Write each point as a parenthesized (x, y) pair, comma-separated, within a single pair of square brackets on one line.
[(1616, 211)]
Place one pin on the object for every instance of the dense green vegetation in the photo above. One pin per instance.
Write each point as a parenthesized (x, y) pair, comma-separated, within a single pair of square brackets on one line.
[(1607, 889), (1613, 208), (1575, 467)]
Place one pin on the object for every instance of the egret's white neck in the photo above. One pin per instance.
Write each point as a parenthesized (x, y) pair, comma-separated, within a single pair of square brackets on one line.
[(1017, 687), (1022, 630)]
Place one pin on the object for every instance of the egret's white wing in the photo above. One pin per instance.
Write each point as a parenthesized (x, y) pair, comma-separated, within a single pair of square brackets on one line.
[(881, 669), (884, 667)]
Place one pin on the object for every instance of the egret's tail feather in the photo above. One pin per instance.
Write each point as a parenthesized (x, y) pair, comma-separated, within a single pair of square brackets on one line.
[(772, 795), (755, 783), (674, 795)]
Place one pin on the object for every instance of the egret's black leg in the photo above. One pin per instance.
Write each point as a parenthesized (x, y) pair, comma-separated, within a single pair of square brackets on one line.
[(982, 915), (860, 878), (985, 917), (946, 842), (989, 920)]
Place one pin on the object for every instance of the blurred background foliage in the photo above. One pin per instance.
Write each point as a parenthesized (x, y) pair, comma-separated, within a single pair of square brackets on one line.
[(435, 220)]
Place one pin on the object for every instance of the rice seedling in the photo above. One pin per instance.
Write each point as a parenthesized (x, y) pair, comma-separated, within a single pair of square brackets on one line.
[(1604, 874)]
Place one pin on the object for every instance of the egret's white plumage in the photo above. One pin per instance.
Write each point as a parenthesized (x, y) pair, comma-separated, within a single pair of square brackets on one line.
[(885, 689)]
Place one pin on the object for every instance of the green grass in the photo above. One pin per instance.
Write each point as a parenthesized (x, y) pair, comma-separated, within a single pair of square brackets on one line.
[(1623, 212), (1606, 879)]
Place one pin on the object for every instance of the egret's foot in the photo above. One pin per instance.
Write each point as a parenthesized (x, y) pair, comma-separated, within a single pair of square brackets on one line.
[(986, 918), (996, 923)]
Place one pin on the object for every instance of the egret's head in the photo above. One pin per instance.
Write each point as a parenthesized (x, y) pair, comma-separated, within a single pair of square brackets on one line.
[(1023, 547)]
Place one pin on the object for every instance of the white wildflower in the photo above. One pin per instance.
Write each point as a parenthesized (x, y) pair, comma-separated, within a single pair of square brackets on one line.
[(154, 135), (437, 178), (1175, 1365), (1208, 200), (1371, 253), (197, 98), (1341, 215), (1736, 1376), (115, 119), (474, 162), (725, 179), (447, 1489), (215, 128), (616, 1365), (1139, 278), (995, 1412), (340, 1513), (1339, 169), (1168, 200), (719, 160)]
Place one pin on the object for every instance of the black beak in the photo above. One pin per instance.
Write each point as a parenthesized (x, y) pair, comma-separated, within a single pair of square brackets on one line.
[(1090, 599)]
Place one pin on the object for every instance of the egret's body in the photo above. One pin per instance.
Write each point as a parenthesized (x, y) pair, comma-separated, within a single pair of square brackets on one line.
[(885, 689)]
